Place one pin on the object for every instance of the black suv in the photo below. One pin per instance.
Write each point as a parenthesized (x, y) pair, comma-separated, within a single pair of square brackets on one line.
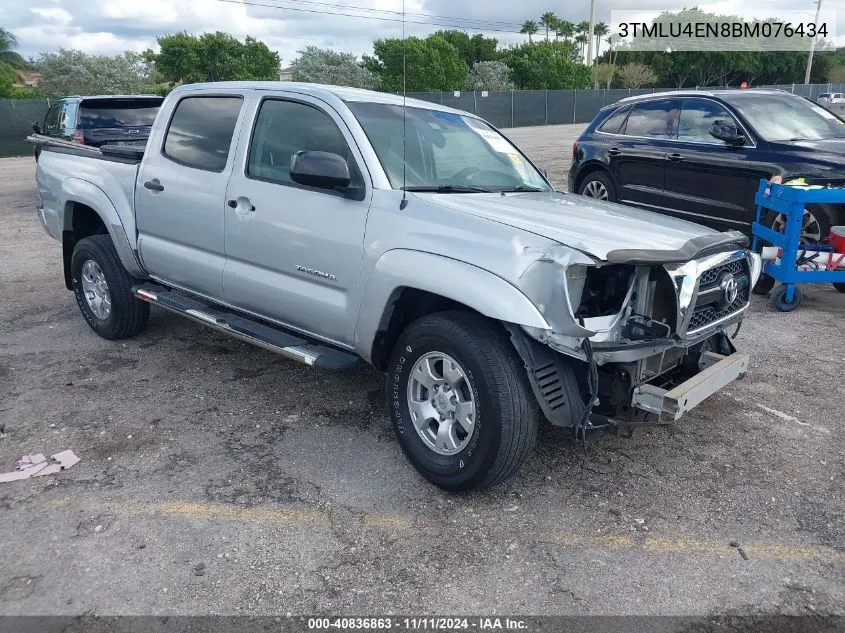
[(701, 155), (100, 120)]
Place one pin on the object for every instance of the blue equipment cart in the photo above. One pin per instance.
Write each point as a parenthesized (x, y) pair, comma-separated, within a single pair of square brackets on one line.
[(814, 263)]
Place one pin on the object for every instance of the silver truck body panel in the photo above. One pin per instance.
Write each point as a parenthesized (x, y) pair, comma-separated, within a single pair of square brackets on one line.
[(332, 265), (108, 187)]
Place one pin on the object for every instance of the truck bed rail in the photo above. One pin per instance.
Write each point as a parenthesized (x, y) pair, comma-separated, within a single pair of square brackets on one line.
[(125, 153)]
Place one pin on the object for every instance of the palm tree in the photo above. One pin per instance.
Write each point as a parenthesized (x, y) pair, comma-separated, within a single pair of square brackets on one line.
[(581, 40), (583, 29), (548, 20), (529, 27), (600, 30), (7, 40), (565, 29)]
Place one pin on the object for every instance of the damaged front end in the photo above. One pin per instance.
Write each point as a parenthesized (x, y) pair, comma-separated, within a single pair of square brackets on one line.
[(639, 337)]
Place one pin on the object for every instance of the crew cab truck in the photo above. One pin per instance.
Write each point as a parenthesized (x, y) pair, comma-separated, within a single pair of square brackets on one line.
[(332, 224)]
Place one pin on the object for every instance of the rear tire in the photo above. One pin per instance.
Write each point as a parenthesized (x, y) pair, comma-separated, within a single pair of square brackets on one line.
[(598, 185), (475, 357), (840, 286), (103, 290), (824, 216)]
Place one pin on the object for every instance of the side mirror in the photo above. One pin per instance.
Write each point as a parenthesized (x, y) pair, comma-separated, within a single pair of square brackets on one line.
[(545, 172), (323, 170), (727, 131), (36, 128)]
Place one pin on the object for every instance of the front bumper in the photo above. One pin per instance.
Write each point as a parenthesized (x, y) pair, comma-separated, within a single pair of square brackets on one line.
[(669, 405)]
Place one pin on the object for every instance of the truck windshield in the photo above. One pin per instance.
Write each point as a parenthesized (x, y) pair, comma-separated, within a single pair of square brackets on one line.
[(786, 118), (444, 152)]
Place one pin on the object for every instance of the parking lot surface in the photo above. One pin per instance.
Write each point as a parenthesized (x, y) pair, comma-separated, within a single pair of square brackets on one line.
[(218, 478)]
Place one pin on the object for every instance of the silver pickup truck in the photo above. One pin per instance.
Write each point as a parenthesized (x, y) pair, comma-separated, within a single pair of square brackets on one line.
[(332, 224)]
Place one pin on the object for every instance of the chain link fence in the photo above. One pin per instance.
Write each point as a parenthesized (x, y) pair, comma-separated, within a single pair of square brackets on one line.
[(16, 119), (515, 108)]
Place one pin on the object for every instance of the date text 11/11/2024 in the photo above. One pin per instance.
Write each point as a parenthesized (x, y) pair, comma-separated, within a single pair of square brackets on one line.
[(417, 624)]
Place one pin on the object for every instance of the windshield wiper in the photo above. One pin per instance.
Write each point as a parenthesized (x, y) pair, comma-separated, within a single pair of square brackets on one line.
[(448, 189), (520, 188)]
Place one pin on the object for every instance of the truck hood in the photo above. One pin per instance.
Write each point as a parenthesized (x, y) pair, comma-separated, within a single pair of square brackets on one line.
[(591, 226)]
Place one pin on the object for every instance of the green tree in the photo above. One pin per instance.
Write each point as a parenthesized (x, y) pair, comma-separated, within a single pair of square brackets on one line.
[(549, 21), (489, 76), (602, 74), (74, 72), (600, 30), (431, 64), (546, 66), (582, 29), (324, 66), (566, 30), (8, 41), (471, 49), (7, 80), (529, 27), (636, 76), (581, 41), (184, 58)]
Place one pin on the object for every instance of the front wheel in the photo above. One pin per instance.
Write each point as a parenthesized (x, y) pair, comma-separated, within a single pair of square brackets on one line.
[(460, 402), (103, 290)]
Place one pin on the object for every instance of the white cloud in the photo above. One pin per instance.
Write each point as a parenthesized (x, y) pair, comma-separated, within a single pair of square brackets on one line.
[(56, 14), (111, 26)]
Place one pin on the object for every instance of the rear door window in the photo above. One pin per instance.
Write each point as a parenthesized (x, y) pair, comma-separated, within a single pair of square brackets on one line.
[(201, 130), (614, 122), (651, 119)]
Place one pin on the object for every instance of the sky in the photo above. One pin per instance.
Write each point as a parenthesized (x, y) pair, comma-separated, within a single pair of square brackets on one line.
[(112, 26)]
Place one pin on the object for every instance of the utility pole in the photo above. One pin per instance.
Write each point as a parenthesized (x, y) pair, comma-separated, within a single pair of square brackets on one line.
[(590, 35), (812, 46)]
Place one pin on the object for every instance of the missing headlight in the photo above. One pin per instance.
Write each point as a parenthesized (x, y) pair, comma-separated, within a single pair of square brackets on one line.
[(604, 291)]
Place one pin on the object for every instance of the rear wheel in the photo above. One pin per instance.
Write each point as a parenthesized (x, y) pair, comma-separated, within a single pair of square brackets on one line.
[(816, 223), (840, 286), (460, 402), (103, 290), (598, 185)]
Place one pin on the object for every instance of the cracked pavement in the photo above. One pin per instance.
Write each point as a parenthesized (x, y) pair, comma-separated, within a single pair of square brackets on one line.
[(217, 478)]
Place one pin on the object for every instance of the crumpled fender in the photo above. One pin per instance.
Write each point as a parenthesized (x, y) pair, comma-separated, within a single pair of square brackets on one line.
[(474, 287)]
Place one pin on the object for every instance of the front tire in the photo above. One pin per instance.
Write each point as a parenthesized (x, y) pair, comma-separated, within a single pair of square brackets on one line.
[(460, 402), (103, 290)]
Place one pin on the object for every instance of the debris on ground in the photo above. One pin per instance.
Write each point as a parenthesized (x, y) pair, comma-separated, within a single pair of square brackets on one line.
[(38, 465)]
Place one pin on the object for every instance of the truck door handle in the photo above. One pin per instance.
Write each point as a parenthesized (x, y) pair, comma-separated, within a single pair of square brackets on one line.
[(676, 158), (614, 151), (234, 204), (154, 185)]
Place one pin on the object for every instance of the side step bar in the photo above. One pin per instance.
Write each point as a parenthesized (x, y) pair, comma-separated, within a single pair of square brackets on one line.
[(246, 329)]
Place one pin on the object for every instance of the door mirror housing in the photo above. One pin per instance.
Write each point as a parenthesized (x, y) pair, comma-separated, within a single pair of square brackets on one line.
[(36, 128), (323, 170), (727, 131)]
